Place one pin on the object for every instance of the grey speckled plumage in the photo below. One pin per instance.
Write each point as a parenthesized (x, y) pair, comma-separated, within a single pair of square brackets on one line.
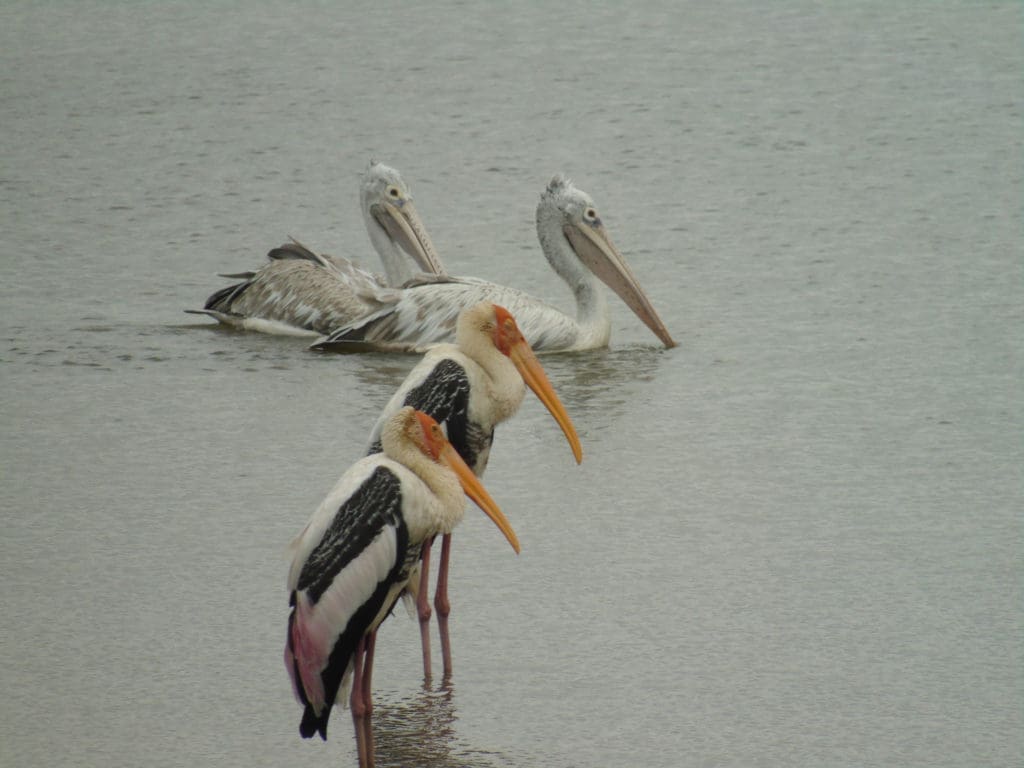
[(576, 246), (302, 292), (419, 316), (293, 295)]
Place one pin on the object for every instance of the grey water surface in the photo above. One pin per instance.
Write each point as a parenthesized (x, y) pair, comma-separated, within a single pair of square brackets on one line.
[(795, 539)]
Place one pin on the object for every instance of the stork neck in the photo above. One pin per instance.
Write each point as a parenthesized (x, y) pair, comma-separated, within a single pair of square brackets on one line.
[(505, 387), (443, 485), (439, 479)]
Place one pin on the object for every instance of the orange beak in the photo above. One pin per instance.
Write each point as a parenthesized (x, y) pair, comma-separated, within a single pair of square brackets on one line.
[(530, 369), (510, 340), (475, 490), (444, 453)]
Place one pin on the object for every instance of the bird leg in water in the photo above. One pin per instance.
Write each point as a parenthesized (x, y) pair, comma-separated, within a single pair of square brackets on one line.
[(442, 605), (356, 700), (423, 608), (371, 644), (361, 701)]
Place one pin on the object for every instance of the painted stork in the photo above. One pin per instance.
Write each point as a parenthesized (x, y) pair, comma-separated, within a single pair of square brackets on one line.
[(300, 292), (471, 387), (355, 556)]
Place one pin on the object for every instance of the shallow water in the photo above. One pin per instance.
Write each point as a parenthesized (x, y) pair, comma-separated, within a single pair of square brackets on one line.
[(794, 540)]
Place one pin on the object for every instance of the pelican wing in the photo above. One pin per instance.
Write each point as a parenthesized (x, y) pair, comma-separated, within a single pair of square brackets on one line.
[(304, 292), (369, 286), (426, 314), (300, 294), (296, 250)]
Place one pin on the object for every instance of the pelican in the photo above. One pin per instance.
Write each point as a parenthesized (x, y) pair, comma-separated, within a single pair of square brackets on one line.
[(576, 245), (470, 387), (305, 293), (355, 556)]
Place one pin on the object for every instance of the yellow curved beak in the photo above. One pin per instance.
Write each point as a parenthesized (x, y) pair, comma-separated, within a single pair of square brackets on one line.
[(475, 490), (530, 369)]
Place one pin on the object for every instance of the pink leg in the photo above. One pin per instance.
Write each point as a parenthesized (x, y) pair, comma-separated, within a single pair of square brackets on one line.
[(442, 605), (423, 608), (371, 643), (357, 702)]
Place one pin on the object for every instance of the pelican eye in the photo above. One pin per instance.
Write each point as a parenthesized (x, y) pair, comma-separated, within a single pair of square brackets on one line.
[(393, 191)]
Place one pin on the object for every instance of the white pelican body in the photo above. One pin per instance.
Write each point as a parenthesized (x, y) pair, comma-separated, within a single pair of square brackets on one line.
[(302, 292), (470, 387), (355, 556), (579, 249)]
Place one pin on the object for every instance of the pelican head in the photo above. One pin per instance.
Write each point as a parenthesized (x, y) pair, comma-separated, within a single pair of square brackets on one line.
[(487, 325), (393, 222), (564, 207)]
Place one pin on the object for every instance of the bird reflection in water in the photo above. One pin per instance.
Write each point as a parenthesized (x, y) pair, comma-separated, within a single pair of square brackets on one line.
[(602, 382), (376, 375), (419, 730)]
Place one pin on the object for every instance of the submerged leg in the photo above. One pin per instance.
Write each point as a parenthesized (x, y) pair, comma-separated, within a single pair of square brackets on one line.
[(423, 608), (442, 605)]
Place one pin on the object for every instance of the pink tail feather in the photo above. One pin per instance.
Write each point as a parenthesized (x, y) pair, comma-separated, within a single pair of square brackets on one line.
[(307, 652)]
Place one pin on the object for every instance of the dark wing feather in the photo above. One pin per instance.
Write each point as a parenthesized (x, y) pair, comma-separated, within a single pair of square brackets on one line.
[(444, 395), (376, 504)]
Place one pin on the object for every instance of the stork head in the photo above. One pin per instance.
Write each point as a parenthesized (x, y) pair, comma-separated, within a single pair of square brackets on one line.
[(424, 434), (490, 325)]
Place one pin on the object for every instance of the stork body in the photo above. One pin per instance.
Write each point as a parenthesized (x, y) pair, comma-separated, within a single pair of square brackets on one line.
[(355, 556), (470, 387)]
